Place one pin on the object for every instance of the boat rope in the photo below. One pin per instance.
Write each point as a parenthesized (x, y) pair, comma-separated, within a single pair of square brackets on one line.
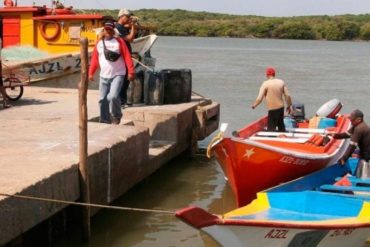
[(142, 64), (34, 198)]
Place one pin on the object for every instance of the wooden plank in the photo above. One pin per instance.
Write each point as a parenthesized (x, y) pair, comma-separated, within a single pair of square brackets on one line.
[(290, 140), (288, 134), (329, 187), (306, 130)]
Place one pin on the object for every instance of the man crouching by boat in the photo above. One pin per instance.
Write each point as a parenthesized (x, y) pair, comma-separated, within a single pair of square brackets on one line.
[(273, 90), (360, 137), (114, 59)]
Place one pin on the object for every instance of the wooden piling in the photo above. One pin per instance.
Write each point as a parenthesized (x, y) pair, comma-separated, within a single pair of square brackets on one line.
[(83, 167)]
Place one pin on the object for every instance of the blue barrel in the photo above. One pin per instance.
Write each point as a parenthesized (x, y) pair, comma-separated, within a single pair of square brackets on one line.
[(326, 123)]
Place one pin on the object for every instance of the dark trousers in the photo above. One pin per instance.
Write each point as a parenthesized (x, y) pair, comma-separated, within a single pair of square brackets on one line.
[(275, 119), (123, 93)]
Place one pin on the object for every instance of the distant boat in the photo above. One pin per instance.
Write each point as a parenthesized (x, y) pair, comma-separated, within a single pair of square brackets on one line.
[(56, 32), (299, 213), (255, 159)]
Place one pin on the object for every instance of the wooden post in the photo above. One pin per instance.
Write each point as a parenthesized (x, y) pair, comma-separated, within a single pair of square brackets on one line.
[(83, 167)]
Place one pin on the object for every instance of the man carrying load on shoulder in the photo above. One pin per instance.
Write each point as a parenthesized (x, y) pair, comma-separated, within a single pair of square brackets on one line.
[(273, 90), (127, 30)]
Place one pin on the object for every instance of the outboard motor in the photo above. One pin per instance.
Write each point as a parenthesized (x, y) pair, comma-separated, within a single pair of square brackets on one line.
[(298, 112), (330, 109)]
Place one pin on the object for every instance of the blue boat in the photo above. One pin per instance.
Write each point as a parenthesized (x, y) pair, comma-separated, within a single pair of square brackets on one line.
[(327, 208)]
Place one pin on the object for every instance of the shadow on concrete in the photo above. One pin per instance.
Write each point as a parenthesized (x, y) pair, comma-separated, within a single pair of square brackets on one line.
[(23, 102)]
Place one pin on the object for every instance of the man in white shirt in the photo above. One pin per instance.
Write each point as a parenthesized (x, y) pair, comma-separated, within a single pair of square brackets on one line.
[(114, 59)]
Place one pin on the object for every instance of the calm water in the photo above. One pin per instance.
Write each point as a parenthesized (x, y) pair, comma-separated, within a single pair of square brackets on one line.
[(230, 72)]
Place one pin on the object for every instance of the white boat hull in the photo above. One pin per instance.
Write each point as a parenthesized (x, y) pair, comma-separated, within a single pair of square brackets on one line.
[(245, 236), (65, 64)]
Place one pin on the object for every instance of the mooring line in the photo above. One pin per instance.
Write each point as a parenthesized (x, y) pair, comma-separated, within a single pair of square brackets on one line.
[(90, 204)]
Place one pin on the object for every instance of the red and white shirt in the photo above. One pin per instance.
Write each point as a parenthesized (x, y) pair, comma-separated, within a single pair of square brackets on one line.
[(110, 69)]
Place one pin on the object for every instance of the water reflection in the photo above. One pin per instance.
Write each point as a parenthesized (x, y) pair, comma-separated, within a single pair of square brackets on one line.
[(180, 183)]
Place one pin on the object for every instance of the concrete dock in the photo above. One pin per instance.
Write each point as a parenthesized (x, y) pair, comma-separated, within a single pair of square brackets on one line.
[(39, 151)]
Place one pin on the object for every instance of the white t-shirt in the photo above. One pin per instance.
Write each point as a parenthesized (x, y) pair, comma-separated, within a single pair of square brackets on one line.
[(110, 69)]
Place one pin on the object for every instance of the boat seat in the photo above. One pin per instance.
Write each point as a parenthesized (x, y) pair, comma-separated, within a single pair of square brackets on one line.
[(306, 130), (357, 181), (278, 134), (280, 139), (315, 140), (335, 188)]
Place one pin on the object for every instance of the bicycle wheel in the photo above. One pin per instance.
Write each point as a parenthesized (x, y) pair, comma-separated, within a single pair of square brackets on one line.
[(13, 93)]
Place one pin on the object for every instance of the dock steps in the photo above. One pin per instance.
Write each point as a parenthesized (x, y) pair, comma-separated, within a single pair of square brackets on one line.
[(207, 119)]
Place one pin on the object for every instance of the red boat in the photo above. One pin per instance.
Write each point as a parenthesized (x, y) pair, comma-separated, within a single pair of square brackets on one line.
[(254, 160)]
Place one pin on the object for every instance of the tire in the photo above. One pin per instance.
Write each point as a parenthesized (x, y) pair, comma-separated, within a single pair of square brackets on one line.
[(13, 93)]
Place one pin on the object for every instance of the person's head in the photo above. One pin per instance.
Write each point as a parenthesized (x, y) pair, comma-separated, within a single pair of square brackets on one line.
[(356, 117), (270, 72), (108, 28), (124, 16)]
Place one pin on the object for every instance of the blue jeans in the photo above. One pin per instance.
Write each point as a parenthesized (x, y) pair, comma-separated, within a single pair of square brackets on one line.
[(109, 101)]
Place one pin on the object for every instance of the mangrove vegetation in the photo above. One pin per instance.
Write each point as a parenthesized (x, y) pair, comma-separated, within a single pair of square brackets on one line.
[(203, 24)]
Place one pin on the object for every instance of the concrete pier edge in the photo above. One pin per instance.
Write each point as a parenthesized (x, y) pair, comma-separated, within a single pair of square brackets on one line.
[(39, 151)]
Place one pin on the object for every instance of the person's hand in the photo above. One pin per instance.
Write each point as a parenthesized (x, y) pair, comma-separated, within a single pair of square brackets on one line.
[(289, 110), (329, 133), (342, 162), (253, 106), (131, 77), (91, 78)]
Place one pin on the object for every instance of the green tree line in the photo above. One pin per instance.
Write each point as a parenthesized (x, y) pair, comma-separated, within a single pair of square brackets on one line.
[(203, 24)]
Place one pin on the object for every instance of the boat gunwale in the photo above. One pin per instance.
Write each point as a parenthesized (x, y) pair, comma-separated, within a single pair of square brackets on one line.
[(293, 225), (285, 151)]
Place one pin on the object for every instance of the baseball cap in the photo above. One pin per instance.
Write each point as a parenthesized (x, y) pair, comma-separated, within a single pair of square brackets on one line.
[(109, 25), (270, 71), (123, 12)]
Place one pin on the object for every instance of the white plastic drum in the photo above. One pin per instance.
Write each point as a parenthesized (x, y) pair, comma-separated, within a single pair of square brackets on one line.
[(329, 109)]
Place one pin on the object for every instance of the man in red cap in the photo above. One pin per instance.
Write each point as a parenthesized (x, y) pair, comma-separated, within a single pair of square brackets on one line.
[(114, 59), (273, 90)]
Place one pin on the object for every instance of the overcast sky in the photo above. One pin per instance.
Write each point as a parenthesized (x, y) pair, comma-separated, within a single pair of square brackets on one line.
[(240, 7)]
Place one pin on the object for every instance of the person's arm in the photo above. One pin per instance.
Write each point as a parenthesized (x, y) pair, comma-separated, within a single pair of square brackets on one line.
[(288, 99), (355, 137), (347, 154), (132, 34), (126, 55), (260, 96), (94, 63)]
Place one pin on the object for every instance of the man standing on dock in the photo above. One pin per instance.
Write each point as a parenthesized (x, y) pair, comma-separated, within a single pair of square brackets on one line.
[(114, 59), (273, 90), (126, 27)]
